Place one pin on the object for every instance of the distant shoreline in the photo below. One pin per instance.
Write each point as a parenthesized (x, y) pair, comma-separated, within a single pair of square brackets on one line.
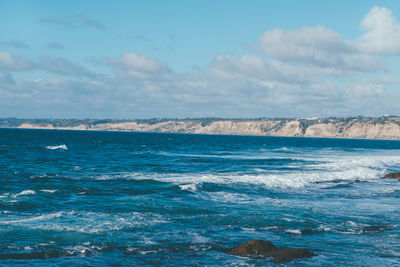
[(382, 128)]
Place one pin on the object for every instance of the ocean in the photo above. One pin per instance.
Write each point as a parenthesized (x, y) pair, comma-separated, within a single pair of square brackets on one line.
[(126, 199)]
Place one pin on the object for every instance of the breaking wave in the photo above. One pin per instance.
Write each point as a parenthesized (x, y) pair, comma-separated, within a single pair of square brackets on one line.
[(63, 147), (327, 169), (25, 193)]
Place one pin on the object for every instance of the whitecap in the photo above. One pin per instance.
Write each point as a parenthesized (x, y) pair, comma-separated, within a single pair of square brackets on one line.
[(293, 231), (83, 222), (351, 223), (231, 197), (196, 238), (34, 219), (188, 187), (148, 241), (324, 169), (72, 250), (25, 193), (5, 195), (147, 252), (248, 229), (317, 170), (288, 219), (64, 147)]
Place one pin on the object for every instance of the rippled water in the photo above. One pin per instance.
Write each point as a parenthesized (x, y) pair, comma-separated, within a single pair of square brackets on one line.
[(109, 198)]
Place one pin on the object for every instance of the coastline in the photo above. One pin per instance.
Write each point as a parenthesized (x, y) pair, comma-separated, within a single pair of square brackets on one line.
[(276, 128)]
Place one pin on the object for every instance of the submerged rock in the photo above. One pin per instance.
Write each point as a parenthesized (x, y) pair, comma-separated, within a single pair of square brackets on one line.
[(255, 247), (392, 175), (309, 231), (261, 248), (288, 254)]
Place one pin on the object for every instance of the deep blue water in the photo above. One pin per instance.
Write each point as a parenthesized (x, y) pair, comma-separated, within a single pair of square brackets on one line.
[(126, 199)]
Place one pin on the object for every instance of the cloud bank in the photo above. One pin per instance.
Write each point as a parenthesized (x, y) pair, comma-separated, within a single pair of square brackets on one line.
[(304, 72)]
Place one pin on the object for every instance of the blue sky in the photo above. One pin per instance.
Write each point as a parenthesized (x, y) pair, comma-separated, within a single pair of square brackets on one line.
[(144, 59)]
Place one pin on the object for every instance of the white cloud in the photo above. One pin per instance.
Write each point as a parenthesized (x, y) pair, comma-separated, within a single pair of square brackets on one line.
[(9, 62), (303, 44), (383, 32), (320, 47), (63, 66), (137, 66)]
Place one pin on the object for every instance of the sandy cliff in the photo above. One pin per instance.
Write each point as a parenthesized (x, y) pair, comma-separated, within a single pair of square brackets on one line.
[(362, 128)]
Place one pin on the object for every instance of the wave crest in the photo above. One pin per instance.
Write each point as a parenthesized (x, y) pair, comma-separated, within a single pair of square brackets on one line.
[(63, 147)]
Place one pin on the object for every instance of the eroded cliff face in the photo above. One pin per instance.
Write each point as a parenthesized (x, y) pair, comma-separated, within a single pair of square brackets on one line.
[(365, 128), (290, 128), (237, 127), (372, 131), (322, 130)]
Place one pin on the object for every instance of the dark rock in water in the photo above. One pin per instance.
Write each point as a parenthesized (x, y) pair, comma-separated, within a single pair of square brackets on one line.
[(376, 228), (261, 248), (288, 254), (43, 255), (392, 175), (308, 231), (255, 247)]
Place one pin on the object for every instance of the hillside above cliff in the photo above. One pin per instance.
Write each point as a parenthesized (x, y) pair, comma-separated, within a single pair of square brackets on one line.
[(387, 127)]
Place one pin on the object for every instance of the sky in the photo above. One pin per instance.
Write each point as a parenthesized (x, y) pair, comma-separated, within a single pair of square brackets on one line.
[(199, 58)]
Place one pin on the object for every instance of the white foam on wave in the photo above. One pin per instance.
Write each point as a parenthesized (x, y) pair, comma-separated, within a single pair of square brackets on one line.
[(228, 197), (196, 238), (5, 195), (81, 249), (147, 241), (63, 147), (83, 222), (188, 187), (238, 156), (24, 193), (323, 167), (33, 219), (249, 229), (282, 149), (125, 175), (293, 231)]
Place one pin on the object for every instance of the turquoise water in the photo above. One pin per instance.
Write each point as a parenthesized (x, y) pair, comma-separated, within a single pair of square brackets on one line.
[(126, 199)]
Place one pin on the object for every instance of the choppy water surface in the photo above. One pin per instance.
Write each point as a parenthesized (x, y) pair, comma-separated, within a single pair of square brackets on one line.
[(103, 198)]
